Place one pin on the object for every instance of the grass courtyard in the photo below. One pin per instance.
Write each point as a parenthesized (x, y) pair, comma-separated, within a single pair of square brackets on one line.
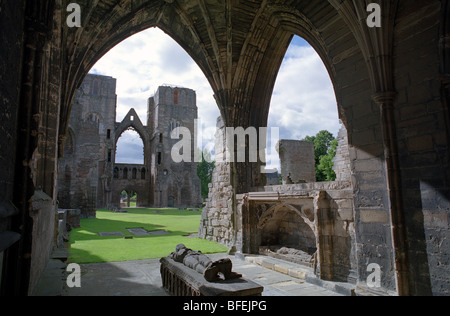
[(87, 246)]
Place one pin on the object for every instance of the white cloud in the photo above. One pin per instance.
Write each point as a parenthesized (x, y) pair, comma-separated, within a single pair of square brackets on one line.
[(130, 148), (303, 102)]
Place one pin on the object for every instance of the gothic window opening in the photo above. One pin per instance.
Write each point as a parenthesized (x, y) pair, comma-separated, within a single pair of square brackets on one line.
[(159, 158), (176, 96), (95, 87), (314, 105), (130, 148)]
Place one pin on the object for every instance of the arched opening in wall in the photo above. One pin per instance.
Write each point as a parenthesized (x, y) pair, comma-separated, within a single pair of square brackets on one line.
[(128, 198), (287, 236), (304, 108), (142, 64), (130, 148), (171, 201), (312, 154), (129, 76)]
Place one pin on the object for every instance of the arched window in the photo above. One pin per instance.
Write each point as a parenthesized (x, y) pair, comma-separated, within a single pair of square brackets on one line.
[(134, 174), (130, 148), (159, 158), (95, 87), (125, 173), (143, 173), (176, 96)]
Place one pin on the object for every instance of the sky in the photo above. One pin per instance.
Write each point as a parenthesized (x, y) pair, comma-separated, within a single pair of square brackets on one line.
[(303, 100)]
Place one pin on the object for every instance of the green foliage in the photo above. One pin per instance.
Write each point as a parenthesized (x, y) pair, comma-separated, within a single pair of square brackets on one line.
[(204, 171), (325, 145), (325, 167)]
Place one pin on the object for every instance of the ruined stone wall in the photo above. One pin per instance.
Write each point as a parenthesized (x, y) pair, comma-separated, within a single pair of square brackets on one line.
[(137, 179), (11, 37), (297, 161), (217, 223), (85, 170), (341, 162), (174, 184), (324, 209), (422, 125)]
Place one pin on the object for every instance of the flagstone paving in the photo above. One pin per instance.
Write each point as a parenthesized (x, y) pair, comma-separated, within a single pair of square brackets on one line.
[(142, 278)]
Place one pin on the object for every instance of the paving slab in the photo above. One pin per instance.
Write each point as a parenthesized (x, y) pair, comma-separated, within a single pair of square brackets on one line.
[(110, 234), (143, 278)]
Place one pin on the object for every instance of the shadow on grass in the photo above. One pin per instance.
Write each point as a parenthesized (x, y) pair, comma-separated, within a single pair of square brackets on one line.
[(85, 241), (171, 220)]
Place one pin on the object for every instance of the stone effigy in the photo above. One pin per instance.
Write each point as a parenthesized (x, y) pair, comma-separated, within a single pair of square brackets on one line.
[(186, 272), (199, 262)]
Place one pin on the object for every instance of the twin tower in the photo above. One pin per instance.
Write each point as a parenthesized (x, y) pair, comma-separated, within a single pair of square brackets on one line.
[(89, 177)]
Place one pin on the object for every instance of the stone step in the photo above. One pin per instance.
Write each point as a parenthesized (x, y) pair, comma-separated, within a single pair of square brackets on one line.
[(300, 272), (292, 269)]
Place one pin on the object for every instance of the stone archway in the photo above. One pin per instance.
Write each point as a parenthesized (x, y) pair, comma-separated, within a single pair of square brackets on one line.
[(239, 46)]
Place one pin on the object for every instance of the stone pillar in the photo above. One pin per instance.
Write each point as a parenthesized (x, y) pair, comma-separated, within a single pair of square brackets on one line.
[(341, 162), (217, 221)]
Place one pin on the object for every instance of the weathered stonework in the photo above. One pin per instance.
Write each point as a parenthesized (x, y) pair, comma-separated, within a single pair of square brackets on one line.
[(297, 161), (341, 162), (316, 218), (217, 221), (89, 177), (173, 184), (391, 84)]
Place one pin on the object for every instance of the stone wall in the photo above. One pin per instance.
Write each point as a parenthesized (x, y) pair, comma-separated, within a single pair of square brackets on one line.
[(324, 209), (341, 162), (11, 37), (297, 161), (173, 183), (87, 163), (136, 180), (217, 222)]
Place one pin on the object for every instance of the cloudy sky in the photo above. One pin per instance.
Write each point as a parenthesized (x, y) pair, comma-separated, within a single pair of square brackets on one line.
[(303, 101)]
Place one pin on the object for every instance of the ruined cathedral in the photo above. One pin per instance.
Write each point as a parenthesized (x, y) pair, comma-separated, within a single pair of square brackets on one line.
[(89, 177), (391, 80)]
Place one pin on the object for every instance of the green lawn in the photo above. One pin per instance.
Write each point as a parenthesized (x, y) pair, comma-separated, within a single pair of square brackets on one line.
[(86, 246)]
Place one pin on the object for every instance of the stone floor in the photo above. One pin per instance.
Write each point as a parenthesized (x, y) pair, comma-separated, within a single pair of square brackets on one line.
[(142, 278)]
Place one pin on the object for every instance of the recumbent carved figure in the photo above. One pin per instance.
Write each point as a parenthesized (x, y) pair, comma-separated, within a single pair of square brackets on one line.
[(196, 260)]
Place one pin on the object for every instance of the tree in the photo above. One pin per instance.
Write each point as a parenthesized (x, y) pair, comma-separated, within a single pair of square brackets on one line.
[(204, 171), (323, 150), (325, 167)]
